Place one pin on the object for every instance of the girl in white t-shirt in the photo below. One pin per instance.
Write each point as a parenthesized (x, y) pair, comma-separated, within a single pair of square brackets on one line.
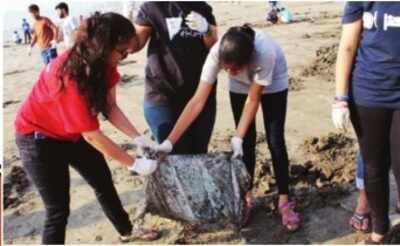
[(257, 74)]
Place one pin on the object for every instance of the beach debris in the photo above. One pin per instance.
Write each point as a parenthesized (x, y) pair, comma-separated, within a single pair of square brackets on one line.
[(15, 185), (324, 63), (296, 83), (10, 102), (204, 190)]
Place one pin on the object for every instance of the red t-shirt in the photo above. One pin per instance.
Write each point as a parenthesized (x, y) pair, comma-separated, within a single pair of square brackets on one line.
[(61, 114)]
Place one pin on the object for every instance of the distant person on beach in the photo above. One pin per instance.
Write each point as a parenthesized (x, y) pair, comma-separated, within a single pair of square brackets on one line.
[(57, 127), (278, 12), (257, 70), (69, 24), (44, 35), (17, 38), (368, 94), (27, 31), (180, 35)]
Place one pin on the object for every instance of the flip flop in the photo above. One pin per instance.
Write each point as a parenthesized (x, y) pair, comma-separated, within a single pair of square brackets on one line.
[(361, 222), (248, 209), (290, 218)]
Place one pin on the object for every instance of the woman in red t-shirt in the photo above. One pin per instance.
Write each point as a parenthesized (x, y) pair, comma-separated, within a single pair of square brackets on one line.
[(57, 126)]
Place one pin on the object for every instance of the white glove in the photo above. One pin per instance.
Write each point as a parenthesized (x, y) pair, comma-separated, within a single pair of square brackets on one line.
[(165, 147), (340, 115), (141, 142), (29, 51), (197, 22), (237, 148), (144, 166)]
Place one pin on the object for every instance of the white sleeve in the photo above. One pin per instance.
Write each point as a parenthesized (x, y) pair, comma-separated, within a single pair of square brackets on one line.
[(211, 67), (266, 69)]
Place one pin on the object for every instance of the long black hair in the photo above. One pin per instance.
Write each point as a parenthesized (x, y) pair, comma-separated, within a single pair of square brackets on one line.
[(87, 62), (237, 45)]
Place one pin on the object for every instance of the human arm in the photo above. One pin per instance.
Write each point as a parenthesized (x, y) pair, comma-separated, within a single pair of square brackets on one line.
[(351, 33), (142, 36), (250, 109), (107, 147), (53, 28), (118, 119), (347, 50)]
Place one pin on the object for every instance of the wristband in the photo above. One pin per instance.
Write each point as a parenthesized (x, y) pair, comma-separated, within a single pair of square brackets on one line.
[(342, 98)]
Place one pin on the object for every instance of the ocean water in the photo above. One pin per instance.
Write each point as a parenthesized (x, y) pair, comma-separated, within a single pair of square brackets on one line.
[(12, 18)]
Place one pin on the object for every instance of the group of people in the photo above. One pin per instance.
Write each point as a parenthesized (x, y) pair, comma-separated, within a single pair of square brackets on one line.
[(45, 34), (57, 125)]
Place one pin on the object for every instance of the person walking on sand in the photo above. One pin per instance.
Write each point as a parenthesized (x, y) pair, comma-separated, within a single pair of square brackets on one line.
[(180, 35), (44, 35), (57, 127), (368, 93), (257, 71), (69, 23), (27, 31)]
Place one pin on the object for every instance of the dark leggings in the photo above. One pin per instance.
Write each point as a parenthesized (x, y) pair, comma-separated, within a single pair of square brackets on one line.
[(378, 133), (47, 164), (274, 114)]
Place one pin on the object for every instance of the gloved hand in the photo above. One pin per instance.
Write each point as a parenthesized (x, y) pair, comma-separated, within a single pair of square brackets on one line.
[(165, 147), (141, 142), (144, 166), (29, 50), (237, 148), (197, 22), (340, 114)]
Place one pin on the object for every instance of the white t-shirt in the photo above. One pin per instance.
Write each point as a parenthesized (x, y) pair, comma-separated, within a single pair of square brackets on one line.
[(267, 67), (69, 25)]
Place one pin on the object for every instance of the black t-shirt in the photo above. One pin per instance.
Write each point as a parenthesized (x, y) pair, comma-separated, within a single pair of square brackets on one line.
[(176, 53)]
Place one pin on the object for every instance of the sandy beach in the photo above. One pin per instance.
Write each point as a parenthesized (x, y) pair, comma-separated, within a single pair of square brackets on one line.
[(322, 159)]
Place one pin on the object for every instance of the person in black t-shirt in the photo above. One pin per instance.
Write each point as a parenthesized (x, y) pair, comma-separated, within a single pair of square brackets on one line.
[(180, 35)]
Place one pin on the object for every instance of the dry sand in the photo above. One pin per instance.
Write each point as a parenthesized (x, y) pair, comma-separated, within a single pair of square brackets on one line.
[(322, 161)]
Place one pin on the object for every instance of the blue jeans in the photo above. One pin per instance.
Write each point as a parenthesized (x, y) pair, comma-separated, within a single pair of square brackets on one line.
[(48, 54), (360, 173), (162, 119)]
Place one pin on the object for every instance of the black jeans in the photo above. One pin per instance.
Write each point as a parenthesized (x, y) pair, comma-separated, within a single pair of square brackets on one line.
[(47, 161), (378, 133), (274, 114)]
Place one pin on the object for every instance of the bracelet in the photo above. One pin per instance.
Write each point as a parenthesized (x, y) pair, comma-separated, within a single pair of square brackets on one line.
[(342, 98)]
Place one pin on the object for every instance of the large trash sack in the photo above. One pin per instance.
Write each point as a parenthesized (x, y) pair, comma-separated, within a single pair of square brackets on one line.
[(202, 190)]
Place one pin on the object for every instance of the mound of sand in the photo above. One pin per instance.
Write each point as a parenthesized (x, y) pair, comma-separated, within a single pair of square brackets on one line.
[(324, 63), (15, 185)]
